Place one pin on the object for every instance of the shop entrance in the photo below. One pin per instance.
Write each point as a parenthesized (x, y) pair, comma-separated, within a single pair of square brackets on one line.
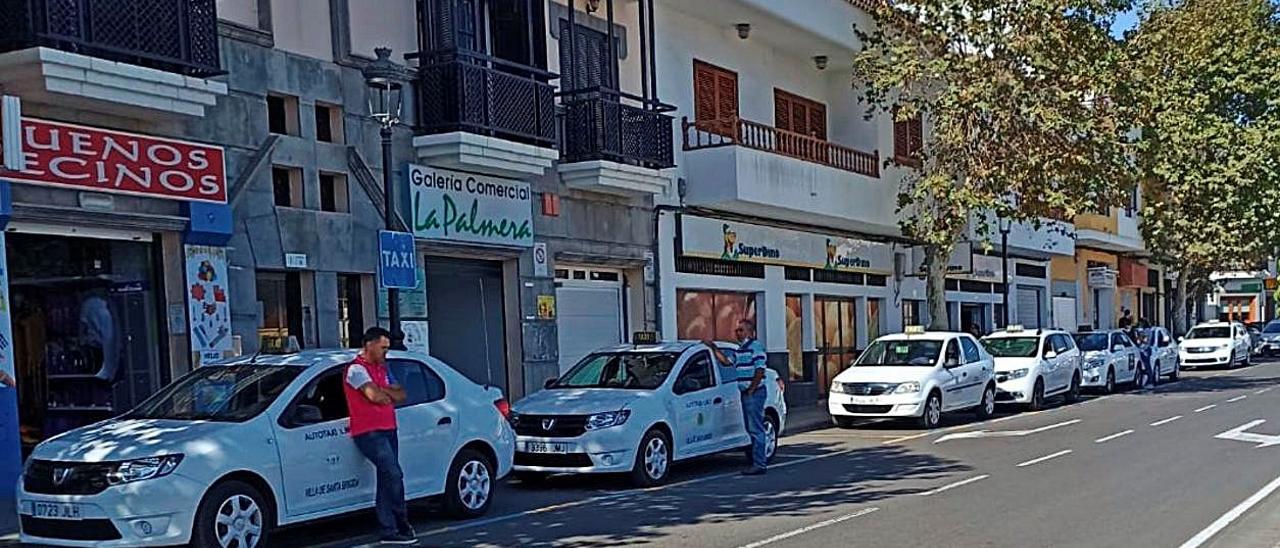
[(85, 334), (835, 324), (467, 327)]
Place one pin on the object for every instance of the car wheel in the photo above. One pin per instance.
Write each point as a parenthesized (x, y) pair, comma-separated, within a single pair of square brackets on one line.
[(1073, 394), (770, 438), (931, 417), (1248, 359), (1110, 387), (233, 514), (987, 407), (1177, 370), (653, 459), (1037, 397), (531, 478), (469, 490), (843, 422)]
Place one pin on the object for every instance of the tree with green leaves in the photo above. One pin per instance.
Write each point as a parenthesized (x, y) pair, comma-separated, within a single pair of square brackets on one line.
[(1019, 101), (1206, 86)]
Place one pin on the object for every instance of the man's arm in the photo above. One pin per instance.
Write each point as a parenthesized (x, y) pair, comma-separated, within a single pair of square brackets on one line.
[(758, 361), (374, 394), (358, 377), (6, 380), (395, 392), (720, 357)]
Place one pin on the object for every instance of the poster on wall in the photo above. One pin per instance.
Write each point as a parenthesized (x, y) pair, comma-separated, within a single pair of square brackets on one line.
[(415, 336), (208, 309)]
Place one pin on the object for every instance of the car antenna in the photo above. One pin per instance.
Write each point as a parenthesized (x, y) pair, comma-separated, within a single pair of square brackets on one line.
[(254, 359)]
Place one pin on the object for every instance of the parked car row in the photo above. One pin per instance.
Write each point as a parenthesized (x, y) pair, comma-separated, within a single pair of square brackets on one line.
[(229, 452)]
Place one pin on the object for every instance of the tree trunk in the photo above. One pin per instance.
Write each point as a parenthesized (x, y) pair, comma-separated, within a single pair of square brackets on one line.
[(936, 258), (1180, 305)]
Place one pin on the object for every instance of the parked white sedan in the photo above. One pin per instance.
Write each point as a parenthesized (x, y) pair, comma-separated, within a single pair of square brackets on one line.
[(1110, 357), (1034, 365), (637, 409), (916, 374), (1216, 344), (228, 452)]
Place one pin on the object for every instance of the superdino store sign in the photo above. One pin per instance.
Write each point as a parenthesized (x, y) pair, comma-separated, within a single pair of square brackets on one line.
[(737, 241), (464, 207)]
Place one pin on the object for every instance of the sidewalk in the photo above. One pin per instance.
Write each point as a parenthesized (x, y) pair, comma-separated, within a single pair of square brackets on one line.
[(806, 418)]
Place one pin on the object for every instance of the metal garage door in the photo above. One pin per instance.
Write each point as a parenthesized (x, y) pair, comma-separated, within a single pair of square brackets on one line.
[(589, 316), (1029, 305)]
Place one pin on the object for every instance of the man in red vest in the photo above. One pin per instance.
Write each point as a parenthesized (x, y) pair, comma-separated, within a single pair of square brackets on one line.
[(372, 394)]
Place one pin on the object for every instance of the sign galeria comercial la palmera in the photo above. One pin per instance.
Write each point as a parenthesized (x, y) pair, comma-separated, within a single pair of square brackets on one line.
[(468, 208)]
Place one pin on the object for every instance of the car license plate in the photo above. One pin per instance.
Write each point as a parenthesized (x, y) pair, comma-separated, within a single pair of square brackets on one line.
[(544, 447), (56, 510), (864, 400)]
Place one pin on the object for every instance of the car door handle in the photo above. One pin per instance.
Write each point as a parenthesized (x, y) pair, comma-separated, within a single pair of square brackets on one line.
[(444, 421), (718, 401)]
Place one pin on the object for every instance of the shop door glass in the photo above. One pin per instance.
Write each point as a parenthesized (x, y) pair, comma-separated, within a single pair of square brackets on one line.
[(712, 314), (795, 339), (834, 325), (873, 319)]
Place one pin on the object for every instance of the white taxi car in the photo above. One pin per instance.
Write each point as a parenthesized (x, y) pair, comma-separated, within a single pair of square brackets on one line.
[(1034, 365), (915, 374), (1110, 357), (636, 409), (227, 453), (1216, 344)]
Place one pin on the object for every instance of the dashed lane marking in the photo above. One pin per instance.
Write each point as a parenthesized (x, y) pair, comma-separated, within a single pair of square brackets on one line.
[(1166, 421), (1031, 462), (1116, 435), (1205, 408), (951, 486), (808, 528), (1236, 399)]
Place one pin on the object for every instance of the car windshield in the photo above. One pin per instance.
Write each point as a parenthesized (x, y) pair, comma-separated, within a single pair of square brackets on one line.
[(1273, 327), (1012, 347), (1092, 342), (632, 370), (1210, 333), (901, 352), (233, 393)]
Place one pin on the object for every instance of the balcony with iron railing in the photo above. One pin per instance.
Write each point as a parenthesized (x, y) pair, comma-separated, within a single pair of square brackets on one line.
[(609, 125), (702, 134), (178, 36)]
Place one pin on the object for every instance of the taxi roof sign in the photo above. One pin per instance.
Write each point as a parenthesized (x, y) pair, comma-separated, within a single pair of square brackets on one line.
[(1015, 328), (914, 330), (644, 337)]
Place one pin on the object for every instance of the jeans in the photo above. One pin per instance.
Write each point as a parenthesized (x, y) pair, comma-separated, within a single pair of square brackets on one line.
[(382, 448), (753, 417)]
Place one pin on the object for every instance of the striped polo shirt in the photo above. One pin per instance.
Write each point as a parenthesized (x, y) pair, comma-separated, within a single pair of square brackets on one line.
[(747, 360)]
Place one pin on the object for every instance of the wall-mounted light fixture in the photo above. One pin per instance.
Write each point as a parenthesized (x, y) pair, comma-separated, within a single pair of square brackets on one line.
[(593, 6), (744, 30), (820, 62)]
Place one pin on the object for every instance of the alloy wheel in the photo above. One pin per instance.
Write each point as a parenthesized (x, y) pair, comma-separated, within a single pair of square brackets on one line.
[(474, 485), (239, 522)]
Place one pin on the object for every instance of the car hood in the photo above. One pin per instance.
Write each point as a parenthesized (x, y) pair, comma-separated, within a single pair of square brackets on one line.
[(1010, 364), (122, 439), (1205, 343), (885, 374), (578, 401)]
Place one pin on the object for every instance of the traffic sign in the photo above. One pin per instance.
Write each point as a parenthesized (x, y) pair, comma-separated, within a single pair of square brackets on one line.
[(397, 263)]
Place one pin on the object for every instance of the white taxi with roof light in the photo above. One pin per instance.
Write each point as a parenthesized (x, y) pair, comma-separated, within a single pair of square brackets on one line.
[(636, 409), (228, 452), (1224, 344), (915, 374), (1110, 357), (1034, 365)]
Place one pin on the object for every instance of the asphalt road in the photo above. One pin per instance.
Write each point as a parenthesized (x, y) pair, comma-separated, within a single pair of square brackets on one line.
[(1136, 469)]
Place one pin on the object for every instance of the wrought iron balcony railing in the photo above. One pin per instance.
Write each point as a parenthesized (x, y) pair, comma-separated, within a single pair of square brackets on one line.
[(477, 93), (179, 36), (600, 125)]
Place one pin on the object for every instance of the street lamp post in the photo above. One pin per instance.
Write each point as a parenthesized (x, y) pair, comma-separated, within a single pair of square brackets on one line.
[(1005, 226), (385, 81)]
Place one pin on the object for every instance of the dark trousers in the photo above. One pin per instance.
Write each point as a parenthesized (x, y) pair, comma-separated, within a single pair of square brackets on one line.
[(382, 448)]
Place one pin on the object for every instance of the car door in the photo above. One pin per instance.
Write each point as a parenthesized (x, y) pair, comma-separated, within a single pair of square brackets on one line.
[(1163, 351), (698, 403), (735, 430), (1242, 342), (1050, 364), (955, 376), (1068, 357), (1125, 355), (975, 371), (428, 424), (321, 467)]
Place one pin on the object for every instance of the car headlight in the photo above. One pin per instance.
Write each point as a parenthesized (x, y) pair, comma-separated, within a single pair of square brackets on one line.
[(907, 388), (608, 420), (143, 469), (1094, 363), (837, 387), (1018, 373)]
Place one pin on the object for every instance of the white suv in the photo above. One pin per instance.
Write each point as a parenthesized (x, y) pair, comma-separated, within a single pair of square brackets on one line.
[(227, 452), (1034, 365), (1216, 344), (915, 374)]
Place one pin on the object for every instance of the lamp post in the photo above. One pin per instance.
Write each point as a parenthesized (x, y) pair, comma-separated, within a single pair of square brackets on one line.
[(385, 81), (1006, 225)]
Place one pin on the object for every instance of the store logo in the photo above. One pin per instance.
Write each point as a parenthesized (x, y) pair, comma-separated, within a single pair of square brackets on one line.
[(735, 251), (837, 261), (452, 220)]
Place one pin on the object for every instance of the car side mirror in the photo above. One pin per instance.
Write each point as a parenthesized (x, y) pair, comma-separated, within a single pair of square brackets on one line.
[(550, 382), (1117, 348), (307, 414), (1179, 339), (951, 362), (1050, 354)]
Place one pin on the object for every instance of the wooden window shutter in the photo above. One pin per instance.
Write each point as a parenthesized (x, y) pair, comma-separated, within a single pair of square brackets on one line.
[(715, 98), (704, 92), (727, 84), (781, 111), (818, 121)]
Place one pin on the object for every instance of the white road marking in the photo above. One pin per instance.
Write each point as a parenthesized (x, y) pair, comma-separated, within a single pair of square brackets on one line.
[(1264, 390), (963, 426), (1004, 433), (951, 486), (1166, 421), (1236, 399), (611, 496), (1231, 515), (1206, 408), (806, 529), (1113, 436), (1240, 433), (1045, 458)]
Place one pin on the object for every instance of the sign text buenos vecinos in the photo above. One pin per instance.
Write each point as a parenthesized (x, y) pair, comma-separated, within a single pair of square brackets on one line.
[(451, 205)]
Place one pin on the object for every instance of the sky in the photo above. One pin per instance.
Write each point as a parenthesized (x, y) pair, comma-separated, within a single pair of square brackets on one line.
[(1124, 22)]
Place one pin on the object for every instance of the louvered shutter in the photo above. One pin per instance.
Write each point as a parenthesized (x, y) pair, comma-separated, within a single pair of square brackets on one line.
[(704, 92), (818, 121), (917, 135), (901, 139), (781, 111)]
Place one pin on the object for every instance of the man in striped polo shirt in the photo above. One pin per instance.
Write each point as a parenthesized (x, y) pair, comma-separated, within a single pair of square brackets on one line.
[(749, 365)]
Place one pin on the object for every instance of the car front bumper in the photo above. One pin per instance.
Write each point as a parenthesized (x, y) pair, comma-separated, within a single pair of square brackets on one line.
[(894, 405), (1206, 359), (156, 512), (1017, 390), (1094, 377), (610, 450)]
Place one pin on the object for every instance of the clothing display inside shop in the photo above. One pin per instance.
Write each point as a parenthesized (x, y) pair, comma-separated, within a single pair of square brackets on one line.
[(84, 330)]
